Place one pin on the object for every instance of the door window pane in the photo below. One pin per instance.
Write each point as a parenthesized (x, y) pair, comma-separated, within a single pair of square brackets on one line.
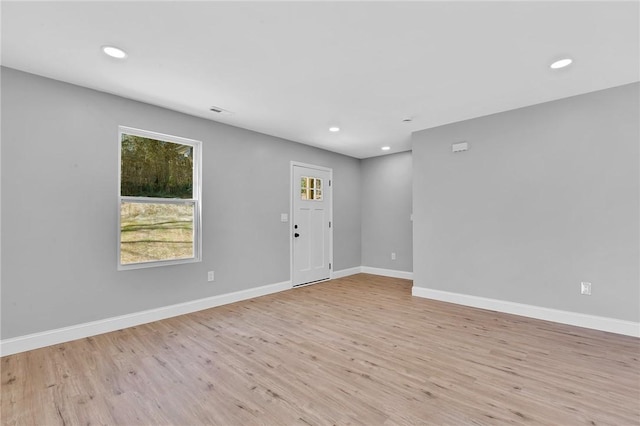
[(310, 188)]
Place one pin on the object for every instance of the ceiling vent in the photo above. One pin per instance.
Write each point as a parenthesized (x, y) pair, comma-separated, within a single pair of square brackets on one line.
[(219, 110)]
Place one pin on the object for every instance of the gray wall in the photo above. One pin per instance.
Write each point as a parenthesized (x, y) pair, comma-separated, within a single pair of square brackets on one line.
[(59, 207), (386, 211), (546, 197)]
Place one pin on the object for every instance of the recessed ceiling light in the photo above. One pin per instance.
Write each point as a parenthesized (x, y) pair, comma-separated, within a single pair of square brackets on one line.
[(561, 63), (385, 148), (334, 129), (114, 52)]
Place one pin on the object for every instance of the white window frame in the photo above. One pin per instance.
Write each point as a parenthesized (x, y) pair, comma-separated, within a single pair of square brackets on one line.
[(196, 200)]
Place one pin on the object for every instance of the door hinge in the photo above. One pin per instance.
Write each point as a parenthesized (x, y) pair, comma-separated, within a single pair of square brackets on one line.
[(329, 266), (329, 182), (329, 224)]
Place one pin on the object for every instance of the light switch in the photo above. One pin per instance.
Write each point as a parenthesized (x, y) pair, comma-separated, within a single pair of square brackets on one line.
[(284, 217)]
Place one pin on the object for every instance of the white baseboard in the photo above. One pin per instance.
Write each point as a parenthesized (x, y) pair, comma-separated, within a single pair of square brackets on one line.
[(374, 271), (346, 272), (612, 325), (387, 272), (66, 334)]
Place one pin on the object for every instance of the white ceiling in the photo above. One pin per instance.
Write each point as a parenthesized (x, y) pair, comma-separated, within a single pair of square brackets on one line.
[(293, 69)]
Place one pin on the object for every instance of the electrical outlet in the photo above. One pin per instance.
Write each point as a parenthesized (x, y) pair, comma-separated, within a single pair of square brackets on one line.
[(585, 288), (210, 276), (393, 256)]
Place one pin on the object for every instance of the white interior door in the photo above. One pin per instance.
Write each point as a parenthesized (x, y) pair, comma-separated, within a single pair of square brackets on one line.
[(311, 224)]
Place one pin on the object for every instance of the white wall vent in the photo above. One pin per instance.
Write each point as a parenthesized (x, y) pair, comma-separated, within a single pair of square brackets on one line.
[(460, 146)]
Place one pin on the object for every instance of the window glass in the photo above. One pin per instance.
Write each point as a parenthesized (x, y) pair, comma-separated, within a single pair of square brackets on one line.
[(155, 168), (154, 231), (310, 188), (159, 199)]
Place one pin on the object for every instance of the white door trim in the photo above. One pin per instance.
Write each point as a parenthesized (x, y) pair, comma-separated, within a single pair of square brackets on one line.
[(291, 195)]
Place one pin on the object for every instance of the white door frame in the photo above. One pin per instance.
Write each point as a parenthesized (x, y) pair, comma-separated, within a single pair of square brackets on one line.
[(293, 185)]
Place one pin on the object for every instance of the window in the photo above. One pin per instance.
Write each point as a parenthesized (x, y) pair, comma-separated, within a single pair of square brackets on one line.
[(159, 199), (310, 188)]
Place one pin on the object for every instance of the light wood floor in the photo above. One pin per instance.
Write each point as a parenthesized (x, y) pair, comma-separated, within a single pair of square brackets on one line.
[(358, 350)]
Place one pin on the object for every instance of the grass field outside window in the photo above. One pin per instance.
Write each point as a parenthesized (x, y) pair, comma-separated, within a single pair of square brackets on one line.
[(153, 232)]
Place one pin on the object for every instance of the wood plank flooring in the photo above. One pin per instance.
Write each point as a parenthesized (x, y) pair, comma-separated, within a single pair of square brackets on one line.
[(358, 350)]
